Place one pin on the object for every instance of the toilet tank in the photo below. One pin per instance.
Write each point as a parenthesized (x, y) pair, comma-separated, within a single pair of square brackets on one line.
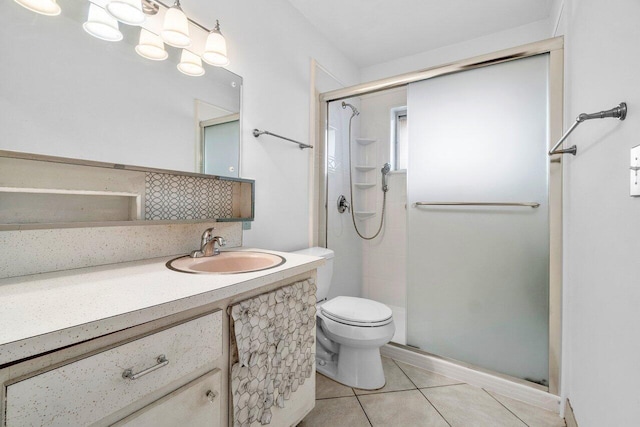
[(325, 273)]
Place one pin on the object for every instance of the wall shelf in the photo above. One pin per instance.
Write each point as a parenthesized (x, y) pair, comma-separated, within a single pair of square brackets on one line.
[(363, 185), (365, 141), (33, 205), (39, 192), (364, 215), (366, 149)]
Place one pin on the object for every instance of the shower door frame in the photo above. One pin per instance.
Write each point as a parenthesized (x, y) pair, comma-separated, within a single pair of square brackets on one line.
[(555, 48)]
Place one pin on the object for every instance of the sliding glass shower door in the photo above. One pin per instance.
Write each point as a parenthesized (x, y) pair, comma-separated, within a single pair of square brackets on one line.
[(478, 275)]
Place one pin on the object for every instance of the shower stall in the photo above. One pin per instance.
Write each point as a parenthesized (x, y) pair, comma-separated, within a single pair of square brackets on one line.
[(465, 243)]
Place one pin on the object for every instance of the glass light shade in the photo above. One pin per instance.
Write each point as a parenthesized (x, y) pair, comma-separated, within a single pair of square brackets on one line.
[(175, 31), (215, 51), (190, 64), (102, 25), (151, 46), (126, 11), (43, 7)]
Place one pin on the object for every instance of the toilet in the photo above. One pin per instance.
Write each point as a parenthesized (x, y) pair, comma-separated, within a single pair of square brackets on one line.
[(349, 332)]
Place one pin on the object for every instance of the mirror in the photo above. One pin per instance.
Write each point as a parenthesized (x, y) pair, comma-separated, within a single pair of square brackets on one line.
[(217, 128), (65, 93)]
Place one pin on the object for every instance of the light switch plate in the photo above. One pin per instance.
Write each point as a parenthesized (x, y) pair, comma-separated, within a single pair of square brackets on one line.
[(634, 175)]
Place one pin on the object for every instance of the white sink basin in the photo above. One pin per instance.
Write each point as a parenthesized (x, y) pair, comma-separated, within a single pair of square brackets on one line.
[(227, 263)]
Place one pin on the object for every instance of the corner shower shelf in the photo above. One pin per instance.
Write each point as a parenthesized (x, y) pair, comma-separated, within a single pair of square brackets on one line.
[(365, 141), (363, 185), (364, 168), (365, 215)]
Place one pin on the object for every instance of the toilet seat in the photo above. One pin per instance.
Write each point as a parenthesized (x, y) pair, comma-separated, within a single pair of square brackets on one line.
[(359, 312)]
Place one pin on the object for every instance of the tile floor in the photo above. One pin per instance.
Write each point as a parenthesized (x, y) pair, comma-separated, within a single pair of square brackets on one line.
[(415, 397)]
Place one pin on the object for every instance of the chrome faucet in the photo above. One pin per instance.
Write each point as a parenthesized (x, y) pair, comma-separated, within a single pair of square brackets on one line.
[(208, 244)]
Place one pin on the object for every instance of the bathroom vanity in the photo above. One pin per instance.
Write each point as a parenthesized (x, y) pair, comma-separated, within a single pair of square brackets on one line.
[(132, 344)]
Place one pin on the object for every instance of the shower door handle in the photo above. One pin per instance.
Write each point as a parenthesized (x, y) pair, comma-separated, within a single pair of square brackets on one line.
[(517, 204)]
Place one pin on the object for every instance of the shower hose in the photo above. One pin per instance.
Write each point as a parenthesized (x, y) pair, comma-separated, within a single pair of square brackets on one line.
[(384, 196)]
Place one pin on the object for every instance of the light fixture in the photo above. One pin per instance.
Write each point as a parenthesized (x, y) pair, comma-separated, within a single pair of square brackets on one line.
[(190, 64), (215, 51), (43, 7), (126, 11), (151, 46), (150, 7), (102, 25), (175, 31)]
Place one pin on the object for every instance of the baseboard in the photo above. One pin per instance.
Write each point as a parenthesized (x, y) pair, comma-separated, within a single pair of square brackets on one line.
[(496, 384), (569, 416)]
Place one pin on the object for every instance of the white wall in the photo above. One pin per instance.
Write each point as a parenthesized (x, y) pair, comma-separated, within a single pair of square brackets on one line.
[(271, 45), (602, 223), (535, 31)]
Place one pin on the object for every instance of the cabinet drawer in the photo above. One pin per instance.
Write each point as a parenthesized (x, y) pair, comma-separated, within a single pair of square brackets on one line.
[(196, 404), (89, 389)]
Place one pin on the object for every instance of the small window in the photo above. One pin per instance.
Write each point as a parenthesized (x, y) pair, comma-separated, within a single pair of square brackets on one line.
[(399, 138)]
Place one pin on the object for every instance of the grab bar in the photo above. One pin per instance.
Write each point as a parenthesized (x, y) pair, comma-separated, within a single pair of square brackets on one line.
[(525, 204), (257, 133)]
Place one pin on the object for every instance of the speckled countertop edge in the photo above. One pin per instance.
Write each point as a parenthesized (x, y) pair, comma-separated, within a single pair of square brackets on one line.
[(43, 312)]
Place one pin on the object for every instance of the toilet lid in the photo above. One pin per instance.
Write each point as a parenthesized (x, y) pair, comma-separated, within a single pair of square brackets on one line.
[(354, 310)]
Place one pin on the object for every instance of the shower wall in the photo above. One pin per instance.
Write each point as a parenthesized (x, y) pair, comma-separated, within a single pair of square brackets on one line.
[(374, 269), (341, 237), (384, 259)]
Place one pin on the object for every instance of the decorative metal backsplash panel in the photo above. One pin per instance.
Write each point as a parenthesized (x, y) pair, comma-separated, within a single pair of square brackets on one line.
[(274, 337), (175, 197)]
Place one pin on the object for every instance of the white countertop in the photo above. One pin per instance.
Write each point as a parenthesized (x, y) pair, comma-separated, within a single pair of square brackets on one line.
[(42, 312)]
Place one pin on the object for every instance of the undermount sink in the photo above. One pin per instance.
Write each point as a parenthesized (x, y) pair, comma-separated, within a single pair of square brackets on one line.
[(227, 263)]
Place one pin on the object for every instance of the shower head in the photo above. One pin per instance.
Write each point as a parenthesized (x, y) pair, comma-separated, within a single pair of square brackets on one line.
[(385, 171), (354, 109)]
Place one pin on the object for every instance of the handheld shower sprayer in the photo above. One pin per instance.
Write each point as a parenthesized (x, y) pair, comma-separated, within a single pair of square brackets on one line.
[(342, 202), (354, 109), (385, 173)]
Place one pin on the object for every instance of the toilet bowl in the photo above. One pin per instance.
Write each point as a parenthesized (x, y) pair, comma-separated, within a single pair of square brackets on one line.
[(349, 332)]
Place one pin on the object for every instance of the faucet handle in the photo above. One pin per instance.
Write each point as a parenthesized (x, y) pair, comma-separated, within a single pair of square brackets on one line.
[(196, 254)]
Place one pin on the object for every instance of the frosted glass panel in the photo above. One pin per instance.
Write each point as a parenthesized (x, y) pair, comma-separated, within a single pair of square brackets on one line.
[(478, 277)]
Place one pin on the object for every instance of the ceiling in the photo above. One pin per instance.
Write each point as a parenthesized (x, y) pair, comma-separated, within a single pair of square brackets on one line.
[(374, 31)]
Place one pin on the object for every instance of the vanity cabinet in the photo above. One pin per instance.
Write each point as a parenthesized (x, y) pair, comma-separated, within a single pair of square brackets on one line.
[(92, 387), (162, 356)]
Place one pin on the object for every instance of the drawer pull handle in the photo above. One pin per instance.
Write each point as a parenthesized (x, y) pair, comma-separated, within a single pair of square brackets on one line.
[(211, 395), (162, 361)]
